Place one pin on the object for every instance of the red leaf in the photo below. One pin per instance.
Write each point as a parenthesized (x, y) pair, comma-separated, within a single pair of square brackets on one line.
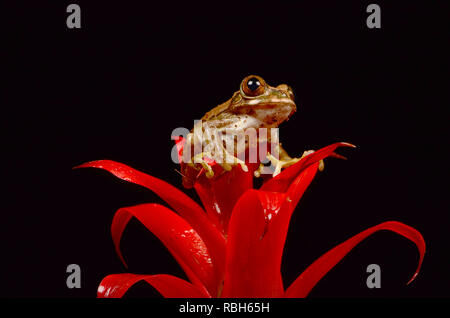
[(314, 273), (249, 271), (298, 187), (280, 206), (179, 201), (176, 234), (116, 285), (256, 238), (219, 195), (281, 182)]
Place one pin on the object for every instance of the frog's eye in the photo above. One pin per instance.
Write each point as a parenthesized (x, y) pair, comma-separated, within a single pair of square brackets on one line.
[(253, 86)]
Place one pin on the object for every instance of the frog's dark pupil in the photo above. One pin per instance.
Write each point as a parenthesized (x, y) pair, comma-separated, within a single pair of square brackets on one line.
[(253, 84)]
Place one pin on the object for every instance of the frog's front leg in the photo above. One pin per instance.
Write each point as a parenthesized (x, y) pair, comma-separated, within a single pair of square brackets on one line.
[(284, 160), (226, 161)]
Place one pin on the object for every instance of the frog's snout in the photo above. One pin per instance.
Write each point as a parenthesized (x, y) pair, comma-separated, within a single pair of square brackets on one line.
[(289, 92)]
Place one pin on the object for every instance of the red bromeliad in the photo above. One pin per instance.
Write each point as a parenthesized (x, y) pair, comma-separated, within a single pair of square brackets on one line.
[(233, 247)]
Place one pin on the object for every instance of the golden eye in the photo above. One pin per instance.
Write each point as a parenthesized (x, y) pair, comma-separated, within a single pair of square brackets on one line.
[(253, 86)]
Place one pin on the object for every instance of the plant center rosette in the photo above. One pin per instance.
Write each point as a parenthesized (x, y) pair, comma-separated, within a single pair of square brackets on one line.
[(232, 246)]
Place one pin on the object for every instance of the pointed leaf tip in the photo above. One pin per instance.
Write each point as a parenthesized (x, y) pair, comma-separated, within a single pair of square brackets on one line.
[(306, 281), (347, 144)]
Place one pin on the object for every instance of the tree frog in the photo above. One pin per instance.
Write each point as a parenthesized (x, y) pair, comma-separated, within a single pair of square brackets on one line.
[(255, 105)]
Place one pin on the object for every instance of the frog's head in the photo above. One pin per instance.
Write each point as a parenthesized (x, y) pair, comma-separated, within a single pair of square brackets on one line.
[(268, 106)]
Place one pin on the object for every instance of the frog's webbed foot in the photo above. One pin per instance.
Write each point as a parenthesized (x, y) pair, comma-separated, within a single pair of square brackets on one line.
[(288, 161)]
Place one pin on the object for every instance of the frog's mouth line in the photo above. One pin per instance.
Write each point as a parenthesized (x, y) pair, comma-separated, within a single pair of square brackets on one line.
[(268, 106), (272, 101)]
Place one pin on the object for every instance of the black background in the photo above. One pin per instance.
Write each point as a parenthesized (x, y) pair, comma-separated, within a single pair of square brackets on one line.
[(116, 88)]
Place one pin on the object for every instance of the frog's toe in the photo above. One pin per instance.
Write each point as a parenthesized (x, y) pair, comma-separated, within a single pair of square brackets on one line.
[(226, 166), (280, 164), (321, 165), (208, 170), (231, 161), (257, 172), (199, 158)]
